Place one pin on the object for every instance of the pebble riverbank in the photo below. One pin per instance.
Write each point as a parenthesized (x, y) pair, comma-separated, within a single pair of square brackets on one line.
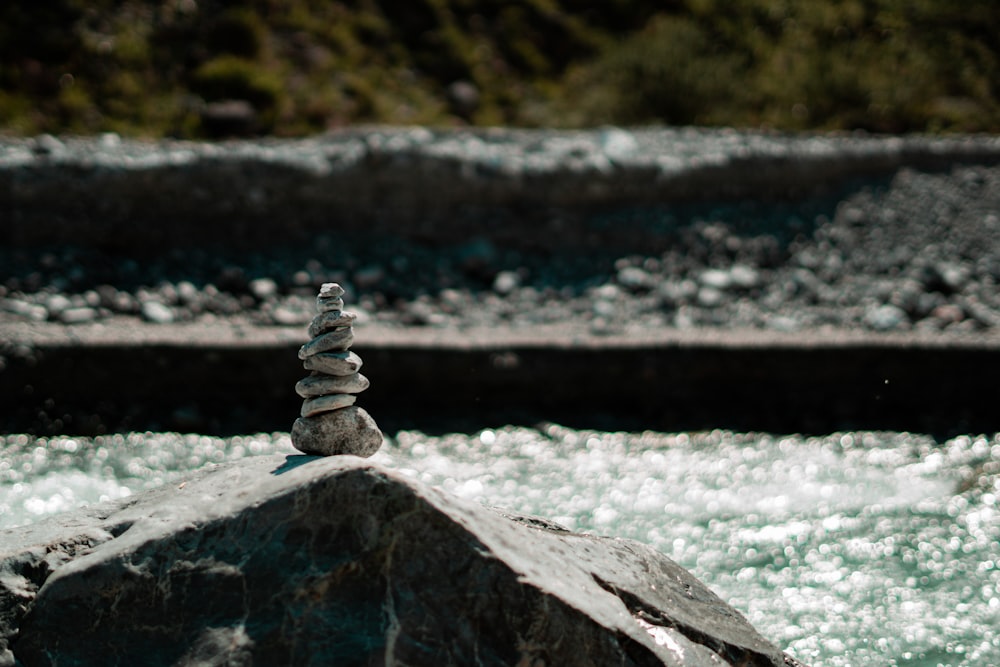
[(911, 241)]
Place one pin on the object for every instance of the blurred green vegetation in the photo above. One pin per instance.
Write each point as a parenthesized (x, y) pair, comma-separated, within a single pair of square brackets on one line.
[(294, 67)]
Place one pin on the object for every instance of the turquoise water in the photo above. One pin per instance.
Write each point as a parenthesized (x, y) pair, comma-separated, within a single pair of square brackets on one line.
[(848, 549)]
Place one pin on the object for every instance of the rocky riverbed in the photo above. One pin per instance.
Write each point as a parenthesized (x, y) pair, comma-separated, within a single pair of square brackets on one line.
[(610, 234), (665, 228)]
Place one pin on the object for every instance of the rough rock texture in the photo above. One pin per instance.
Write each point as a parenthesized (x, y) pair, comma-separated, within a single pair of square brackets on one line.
[(349, 430), (304, 561)]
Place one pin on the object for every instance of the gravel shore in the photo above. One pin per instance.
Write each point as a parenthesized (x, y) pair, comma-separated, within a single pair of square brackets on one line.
[(878, 234)]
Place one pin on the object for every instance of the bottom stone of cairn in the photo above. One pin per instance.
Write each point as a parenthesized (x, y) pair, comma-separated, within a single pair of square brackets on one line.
[(349, 430)]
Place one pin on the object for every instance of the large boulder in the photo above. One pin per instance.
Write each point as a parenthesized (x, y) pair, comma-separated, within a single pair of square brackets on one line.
[(338, 561)]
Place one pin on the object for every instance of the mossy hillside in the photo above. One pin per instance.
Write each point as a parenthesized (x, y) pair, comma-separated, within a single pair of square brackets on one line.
[(887, 66), (150, 69)]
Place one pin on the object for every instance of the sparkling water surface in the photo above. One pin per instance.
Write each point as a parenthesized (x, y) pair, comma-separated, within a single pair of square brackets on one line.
[(847, 549)]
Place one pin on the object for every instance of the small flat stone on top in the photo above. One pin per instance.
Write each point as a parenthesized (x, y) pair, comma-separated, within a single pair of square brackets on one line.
[(321, 385), (330, 290), (334, 363), (337, 340), (320, 404), (330, 297)]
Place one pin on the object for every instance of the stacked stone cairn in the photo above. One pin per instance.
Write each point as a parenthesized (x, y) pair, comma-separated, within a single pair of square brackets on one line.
[(330, 423)]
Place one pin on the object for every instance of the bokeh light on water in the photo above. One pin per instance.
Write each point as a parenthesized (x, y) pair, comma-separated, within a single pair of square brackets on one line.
[(847, 549), (42, 476)]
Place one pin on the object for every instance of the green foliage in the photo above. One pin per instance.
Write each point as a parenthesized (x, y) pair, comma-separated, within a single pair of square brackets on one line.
[(671, 72), (233, 78), (229, 78), (145, 68), (883, 65)]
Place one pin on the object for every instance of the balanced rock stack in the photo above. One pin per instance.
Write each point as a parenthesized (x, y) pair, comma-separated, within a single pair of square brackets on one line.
[(330, 423)]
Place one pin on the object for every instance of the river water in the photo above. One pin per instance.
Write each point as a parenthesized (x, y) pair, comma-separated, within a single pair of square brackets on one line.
[(847, 549)]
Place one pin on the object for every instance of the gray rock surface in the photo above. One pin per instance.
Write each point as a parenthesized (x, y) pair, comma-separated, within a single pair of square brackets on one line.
[(347, 430), (334, 341), (304, 561), (319, 404), (334, 363), (321, 385), (332, 319)]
